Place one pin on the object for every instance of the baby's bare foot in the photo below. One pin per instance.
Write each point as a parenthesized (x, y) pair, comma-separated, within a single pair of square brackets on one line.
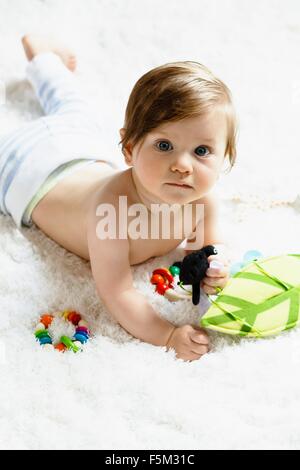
[(35, 44)]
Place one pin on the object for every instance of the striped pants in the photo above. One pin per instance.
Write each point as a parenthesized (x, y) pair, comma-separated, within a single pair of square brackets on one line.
[(68, 131)]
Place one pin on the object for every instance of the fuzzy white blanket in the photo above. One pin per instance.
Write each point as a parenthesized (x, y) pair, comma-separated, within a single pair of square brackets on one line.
[(122, 393)]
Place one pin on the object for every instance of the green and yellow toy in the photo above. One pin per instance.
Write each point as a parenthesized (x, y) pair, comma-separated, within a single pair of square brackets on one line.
[(259, 300)]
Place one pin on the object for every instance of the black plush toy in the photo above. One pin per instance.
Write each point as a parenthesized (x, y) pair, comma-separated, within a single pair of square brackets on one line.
[(193, 268)]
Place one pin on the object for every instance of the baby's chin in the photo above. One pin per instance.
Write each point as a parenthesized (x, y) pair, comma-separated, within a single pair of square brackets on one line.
[(169, 195), (175, 194)]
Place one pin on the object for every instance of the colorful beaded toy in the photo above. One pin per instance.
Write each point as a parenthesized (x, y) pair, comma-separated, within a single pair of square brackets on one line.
[(75, 344), (168, 284)]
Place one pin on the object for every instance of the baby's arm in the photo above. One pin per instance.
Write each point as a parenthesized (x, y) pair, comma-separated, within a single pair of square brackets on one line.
[(208, 229), (114, 283), (209, 233)]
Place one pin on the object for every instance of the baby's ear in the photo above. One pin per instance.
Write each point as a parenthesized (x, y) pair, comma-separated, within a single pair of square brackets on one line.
[(127, 151), (122, 132), (127, 155)]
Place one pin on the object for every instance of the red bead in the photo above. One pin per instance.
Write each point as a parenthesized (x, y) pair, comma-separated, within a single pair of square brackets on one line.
[(71, 312), (161, 288), (165, 273), (74, 318), (157, 279), (60, 347)]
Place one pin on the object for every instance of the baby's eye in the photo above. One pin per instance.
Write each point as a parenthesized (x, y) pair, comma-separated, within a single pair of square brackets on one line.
[(201, 151), (163, 145)]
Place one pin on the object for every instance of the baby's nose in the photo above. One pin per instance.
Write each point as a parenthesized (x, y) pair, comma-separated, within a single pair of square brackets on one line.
[(183, 164)]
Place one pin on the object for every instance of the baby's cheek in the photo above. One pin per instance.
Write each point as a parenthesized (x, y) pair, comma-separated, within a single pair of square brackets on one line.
[(207, 177)]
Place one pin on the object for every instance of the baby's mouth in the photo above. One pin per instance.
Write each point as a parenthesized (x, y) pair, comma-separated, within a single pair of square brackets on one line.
[(180, 185)]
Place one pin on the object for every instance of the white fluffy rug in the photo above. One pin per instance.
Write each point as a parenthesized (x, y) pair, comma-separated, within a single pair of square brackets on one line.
[(122, 393)]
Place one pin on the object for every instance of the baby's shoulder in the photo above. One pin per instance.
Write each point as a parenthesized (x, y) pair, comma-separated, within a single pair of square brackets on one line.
[(117, 189), (208, 203)]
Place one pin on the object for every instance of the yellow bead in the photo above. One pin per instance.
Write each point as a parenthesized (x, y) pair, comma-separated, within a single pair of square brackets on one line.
[(83, 323), (65, 314), (40, 326)]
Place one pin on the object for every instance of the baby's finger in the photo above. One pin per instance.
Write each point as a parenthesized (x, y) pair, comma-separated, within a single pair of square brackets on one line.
[(200, 329), (219, 259), (209, 290), (199, 348), (199, 338), (190, 357), (213, 281), (213, 272), (204, 338)]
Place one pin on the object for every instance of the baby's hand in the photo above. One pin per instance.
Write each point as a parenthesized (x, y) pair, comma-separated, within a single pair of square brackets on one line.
[(216, 277), (189, 342)]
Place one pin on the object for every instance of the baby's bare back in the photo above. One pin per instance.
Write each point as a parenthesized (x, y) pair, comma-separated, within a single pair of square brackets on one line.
[(64, 212)]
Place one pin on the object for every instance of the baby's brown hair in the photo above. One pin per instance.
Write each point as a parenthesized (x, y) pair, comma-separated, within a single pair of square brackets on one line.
[(172, 92)]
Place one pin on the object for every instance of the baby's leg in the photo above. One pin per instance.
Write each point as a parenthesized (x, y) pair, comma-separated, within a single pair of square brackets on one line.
[(14, 148), (55, 86), (36, 44), (50, 73), (69, 131)]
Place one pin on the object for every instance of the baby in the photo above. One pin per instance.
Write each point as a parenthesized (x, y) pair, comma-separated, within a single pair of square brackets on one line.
[(179, 127)]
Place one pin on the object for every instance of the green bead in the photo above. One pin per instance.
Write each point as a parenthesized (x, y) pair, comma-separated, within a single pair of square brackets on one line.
[(174, 270), (69, 343), (41, 333)]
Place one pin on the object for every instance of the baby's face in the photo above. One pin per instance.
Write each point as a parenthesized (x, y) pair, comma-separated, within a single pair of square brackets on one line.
[(189, 152)]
